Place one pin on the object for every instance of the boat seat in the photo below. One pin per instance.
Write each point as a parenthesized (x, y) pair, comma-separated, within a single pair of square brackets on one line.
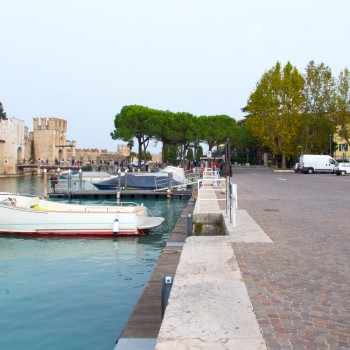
[(23, 202)]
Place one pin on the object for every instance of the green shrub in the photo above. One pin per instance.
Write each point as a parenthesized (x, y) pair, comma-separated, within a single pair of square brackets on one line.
[(198, 226)]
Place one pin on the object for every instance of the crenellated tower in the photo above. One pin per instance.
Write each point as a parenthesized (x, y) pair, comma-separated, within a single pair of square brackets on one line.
[(49, 137)]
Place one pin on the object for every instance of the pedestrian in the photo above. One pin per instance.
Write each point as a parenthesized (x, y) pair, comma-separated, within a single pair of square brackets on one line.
[(53, 180), (225, 167)]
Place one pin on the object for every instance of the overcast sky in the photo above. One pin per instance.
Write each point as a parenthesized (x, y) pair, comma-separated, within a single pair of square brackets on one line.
[(83, 60)]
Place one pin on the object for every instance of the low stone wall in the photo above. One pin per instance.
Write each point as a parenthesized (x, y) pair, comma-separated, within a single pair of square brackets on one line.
[(209, 224)]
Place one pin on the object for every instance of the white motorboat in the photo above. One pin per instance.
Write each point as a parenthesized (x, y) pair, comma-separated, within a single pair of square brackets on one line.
[(33, 215)]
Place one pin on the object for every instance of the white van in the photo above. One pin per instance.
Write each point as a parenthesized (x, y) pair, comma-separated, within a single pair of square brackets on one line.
[(316, 163)]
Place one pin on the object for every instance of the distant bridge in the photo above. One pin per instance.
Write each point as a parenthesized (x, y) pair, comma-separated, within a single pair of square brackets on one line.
[(40, 167)]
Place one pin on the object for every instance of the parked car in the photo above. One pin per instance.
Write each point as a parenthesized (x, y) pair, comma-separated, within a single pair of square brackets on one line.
[(135, 164), (144, 167), (316, 163), (342, 169)]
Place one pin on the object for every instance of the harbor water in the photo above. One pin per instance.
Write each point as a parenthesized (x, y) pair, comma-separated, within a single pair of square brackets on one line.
[(74, 294)]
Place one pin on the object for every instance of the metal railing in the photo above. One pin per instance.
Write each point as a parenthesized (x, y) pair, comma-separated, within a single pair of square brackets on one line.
[(211, 183), (67, 186), (191, 177), (233, 201), (163, 183)]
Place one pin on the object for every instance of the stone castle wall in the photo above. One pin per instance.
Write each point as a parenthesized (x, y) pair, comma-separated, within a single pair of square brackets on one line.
[(50, 139), (87, 155), (46, 143), (123, 150), (94, 155), (14, 147)]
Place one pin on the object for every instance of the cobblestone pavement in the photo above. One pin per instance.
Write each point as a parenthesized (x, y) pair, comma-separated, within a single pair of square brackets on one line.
[(299, 285)]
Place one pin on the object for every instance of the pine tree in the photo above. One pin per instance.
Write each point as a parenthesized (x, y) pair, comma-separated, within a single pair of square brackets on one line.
[(2, 112)]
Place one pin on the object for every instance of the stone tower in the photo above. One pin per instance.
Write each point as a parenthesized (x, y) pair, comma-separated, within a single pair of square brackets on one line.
[(49, 137), (13, 144)]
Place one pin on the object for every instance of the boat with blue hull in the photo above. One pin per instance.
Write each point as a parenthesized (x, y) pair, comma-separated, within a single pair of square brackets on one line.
[(167, 177)]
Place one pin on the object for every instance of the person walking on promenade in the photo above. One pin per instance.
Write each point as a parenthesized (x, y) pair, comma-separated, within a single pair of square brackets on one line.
[(225, 167), (53, 180)]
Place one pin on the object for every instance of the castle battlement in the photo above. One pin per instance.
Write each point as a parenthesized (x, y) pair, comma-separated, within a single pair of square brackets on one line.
[(11, 121), (95, 150), (47, 142), (50, 124)]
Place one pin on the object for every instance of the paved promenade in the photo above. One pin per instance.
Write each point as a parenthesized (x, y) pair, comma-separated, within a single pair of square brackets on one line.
[(280, 280)]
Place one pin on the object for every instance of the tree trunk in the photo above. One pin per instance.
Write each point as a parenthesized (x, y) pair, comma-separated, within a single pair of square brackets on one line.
[(279, 143), (184, 156), (140, 153), (284, 166), (163, 154)]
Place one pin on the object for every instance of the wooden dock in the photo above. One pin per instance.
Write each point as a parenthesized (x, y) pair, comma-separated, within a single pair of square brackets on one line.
[(144, 323), (96, 194)]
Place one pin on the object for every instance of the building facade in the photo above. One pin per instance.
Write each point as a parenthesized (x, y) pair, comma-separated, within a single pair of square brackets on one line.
[(342, 151), (14, 145)]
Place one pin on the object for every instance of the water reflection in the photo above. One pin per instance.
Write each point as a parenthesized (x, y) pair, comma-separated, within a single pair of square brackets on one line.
[(76, 293)]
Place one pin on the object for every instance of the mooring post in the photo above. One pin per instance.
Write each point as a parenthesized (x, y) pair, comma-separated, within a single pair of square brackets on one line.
[(69, 182), (189, 225), (118, 196), (167, 283), (80, 180), (119, 175), (45, 183), (170, 184)]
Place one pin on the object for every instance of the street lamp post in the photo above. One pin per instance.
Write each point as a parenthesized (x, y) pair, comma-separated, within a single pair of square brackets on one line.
[(330, 145)]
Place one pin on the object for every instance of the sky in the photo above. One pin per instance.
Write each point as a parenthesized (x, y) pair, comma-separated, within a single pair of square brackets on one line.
[(83, 60)]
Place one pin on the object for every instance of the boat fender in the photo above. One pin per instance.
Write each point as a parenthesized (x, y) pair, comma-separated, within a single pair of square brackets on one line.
[(116, 226)]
